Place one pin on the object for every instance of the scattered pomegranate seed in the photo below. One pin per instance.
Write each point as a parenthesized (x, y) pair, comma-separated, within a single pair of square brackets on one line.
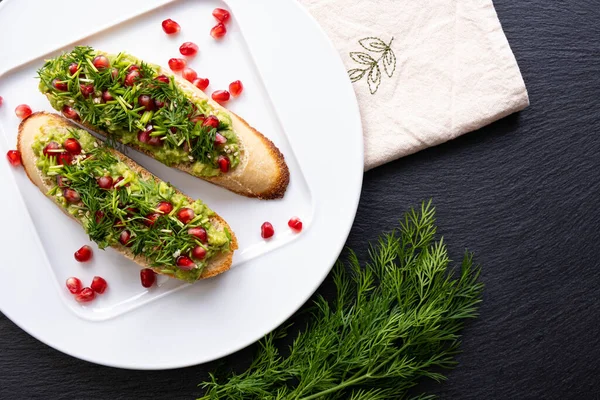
[(73, 68), (266, 230), (23, 111), (143, 136), (163, 79), (170, 27), (86, 90), (84, 253), (185, 263), (119, 179), (189, 74), (221, 15), (295, 224), (146, 101), (188, 49), (14, 158), (125, 238), (148, 277), (106, 96), (151, 219), (224, 163), (114, 73), (85, 295), (69, 112), (131, 211), (185, 215), (65, 159), (132, 77), (220, 96), (101, 62), (99, 215), (105, 182), (1, 101), (199, 233), (155, 141), (220, 139), (198, 119), (60, 181), (164, 207), (99, 284), (133, 67), (201, 83), (72, 146), (235, 88), (74, 285), (199, 252), (60, 85), (177, 64), (52, 149), (159, 103), (211, 121), (71, 196), (218, 31)]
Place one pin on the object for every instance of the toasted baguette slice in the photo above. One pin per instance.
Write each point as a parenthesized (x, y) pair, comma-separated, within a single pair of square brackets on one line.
[(30, 127), (262, 171)]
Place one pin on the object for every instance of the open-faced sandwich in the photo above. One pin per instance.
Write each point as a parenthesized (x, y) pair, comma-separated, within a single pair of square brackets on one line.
[(122, 205), (148, 108)]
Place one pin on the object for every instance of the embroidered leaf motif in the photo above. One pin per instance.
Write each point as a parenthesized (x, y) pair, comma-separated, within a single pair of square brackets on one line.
[(374, 78), (373, 44), (389, 62), (356, 74), (362, 58), (372, 69)]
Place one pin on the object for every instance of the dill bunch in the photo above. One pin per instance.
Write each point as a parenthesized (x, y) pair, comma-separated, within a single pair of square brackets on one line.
[(394, 321)]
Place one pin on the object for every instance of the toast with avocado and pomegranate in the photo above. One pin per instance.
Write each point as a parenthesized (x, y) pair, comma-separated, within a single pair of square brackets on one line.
[(144, 106), (122, 205)]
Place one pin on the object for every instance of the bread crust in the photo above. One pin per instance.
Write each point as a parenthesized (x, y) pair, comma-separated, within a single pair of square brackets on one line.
[(29, 127)]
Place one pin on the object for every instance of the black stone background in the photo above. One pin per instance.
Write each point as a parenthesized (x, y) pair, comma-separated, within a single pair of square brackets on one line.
[(521, 193)]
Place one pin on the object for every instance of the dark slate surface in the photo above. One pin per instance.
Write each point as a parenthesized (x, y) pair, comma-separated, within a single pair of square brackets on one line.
[(521, 193)]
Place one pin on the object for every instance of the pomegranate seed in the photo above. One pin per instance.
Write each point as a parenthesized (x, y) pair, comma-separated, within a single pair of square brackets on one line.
[(211, 121), (151, 219), (131, 211), (71, 196), (106, 96), (23, 111), (198, 119), (185, 263), (185, 215), (148, 277), (86, 90), (132, 77), (199, 233), (295, 224), (116, 184), (69, 112), (1, 101), (220, 96), (143, 136), (99, 215), (61, 182), (52, 149), (59, 85), (163, 79), (177, 64), (155, 141), (65, 159), (164, 207), (98, 284), (221, 15), (189, 74), (14, 158), (220, 139), (218, 31), (266, 230), (146, 101), (125, 238), (170, 27), (114, 73), (133, 67), (101, 62), (224, 163), (83, 254), (235, 88), (201, 83), (85, 295), (188, 49), (73, 68), (199, 252), (72, 146), (159, 103), (119, 224), (74, 285), (105, 182)]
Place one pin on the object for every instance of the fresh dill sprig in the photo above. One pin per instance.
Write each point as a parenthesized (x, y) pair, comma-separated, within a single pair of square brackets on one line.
[(395, 320)]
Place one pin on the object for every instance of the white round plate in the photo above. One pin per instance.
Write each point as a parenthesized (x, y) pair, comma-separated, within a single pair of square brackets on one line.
[(297, 93)]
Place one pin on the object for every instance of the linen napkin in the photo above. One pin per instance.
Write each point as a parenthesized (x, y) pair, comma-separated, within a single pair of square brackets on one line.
[(424, 72)]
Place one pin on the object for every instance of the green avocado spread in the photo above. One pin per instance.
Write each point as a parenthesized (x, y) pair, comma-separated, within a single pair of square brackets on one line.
[(132, 103), (121, 208)]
